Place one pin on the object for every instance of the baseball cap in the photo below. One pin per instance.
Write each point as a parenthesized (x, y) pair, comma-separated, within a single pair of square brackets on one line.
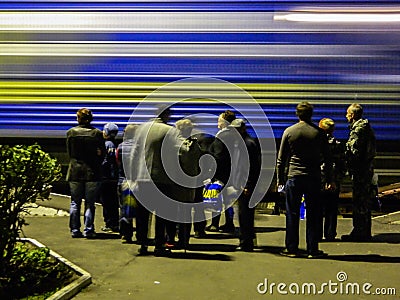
[(110, 129)]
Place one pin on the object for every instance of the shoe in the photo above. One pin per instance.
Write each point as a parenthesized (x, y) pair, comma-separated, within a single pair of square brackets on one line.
[(182, 245), (317, 254), (200, 234), (110, 229), (162, 252), (170, 245), (143, 250), (245, 248), (126, 240), (212, 228), (227, 228), (355, 238), (290, 254), (90, 235), (76, 234)]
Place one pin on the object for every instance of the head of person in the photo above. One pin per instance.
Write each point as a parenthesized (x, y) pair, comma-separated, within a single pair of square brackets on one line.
[(84, 116), (129, 131), (304, 111), (240, 126), (328, 125), (354, 112), (225, 119), (163, 112), (185, 127), (110, 130)]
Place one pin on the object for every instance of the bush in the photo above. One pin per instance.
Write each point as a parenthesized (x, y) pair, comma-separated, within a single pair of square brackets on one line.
[(33, 272), (26, 174)]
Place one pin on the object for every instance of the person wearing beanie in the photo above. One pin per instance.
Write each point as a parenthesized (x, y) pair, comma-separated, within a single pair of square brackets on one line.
[(109, 185)]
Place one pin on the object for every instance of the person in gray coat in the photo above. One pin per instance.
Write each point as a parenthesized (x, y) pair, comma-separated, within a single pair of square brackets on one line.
[(156, 144)]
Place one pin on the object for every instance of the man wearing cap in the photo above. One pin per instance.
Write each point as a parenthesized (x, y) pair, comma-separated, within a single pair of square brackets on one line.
[(109, 185), (86, 150)]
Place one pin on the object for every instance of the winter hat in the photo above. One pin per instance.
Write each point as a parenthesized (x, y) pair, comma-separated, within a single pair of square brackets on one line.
[(111, 129)]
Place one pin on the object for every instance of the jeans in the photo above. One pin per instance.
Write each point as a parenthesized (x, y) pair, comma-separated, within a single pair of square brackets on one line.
[(89, 192), (295, 188)]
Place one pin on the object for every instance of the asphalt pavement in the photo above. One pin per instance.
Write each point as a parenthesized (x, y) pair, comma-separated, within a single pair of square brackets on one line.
[(213, 269)]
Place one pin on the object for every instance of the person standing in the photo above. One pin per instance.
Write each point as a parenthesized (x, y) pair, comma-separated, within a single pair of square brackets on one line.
[(360, 153), (154, 187), (86, 150), (220, 152), (189, 162), (109, 184), (330, 197), (127, 200), (302, 147), (246, 213)]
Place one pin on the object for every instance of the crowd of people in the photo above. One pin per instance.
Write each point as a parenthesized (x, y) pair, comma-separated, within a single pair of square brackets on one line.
[(141, 177)]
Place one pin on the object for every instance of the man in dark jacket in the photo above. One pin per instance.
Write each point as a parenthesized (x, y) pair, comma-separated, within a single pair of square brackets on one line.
[(246, 213), (86, 150), (360, 153), (219, 150), (109, 185)]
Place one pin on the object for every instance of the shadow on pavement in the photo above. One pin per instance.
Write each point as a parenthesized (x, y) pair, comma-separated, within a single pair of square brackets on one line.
[(212, 247), (372, 258), (390, 238), (200, 256), (269, 229)]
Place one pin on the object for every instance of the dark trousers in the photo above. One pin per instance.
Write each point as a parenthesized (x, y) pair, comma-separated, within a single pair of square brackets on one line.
[(229, 213), (199, 216), (295, 188), (109, 200), (246, 221), (142, 228), (145, 194), (362, 204), (330, 200)]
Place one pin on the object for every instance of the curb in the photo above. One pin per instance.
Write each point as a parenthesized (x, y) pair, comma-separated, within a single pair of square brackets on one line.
[(74, 287), (392, 218)]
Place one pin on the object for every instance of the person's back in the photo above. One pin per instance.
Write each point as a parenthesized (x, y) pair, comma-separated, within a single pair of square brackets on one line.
[(86, 149), (304, 146), (304, 142), (83, 145), (109, 185)]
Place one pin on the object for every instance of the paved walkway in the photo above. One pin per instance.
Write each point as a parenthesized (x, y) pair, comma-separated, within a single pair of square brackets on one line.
[(212, 269)]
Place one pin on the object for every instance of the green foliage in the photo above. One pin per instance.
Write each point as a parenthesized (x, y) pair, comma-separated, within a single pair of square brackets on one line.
[(32, 271), (26, 174)]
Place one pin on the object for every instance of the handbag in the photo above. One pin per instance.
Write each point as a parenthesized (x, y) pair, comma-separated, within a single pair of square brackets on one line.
[(212, 196)]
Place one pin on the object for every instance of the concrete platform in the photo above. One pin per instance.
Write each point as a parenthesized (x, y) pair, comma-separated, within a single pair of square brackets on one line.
[(212, 269)]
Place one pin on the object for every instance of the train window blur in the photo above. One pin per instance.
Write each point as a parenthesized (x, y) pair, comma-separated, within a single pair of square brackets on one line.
[(57, 57)]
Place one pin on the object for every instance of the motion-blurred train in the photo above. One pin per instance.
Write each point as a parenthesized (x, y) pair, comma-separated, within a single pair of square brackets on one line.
[(56, 57)]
